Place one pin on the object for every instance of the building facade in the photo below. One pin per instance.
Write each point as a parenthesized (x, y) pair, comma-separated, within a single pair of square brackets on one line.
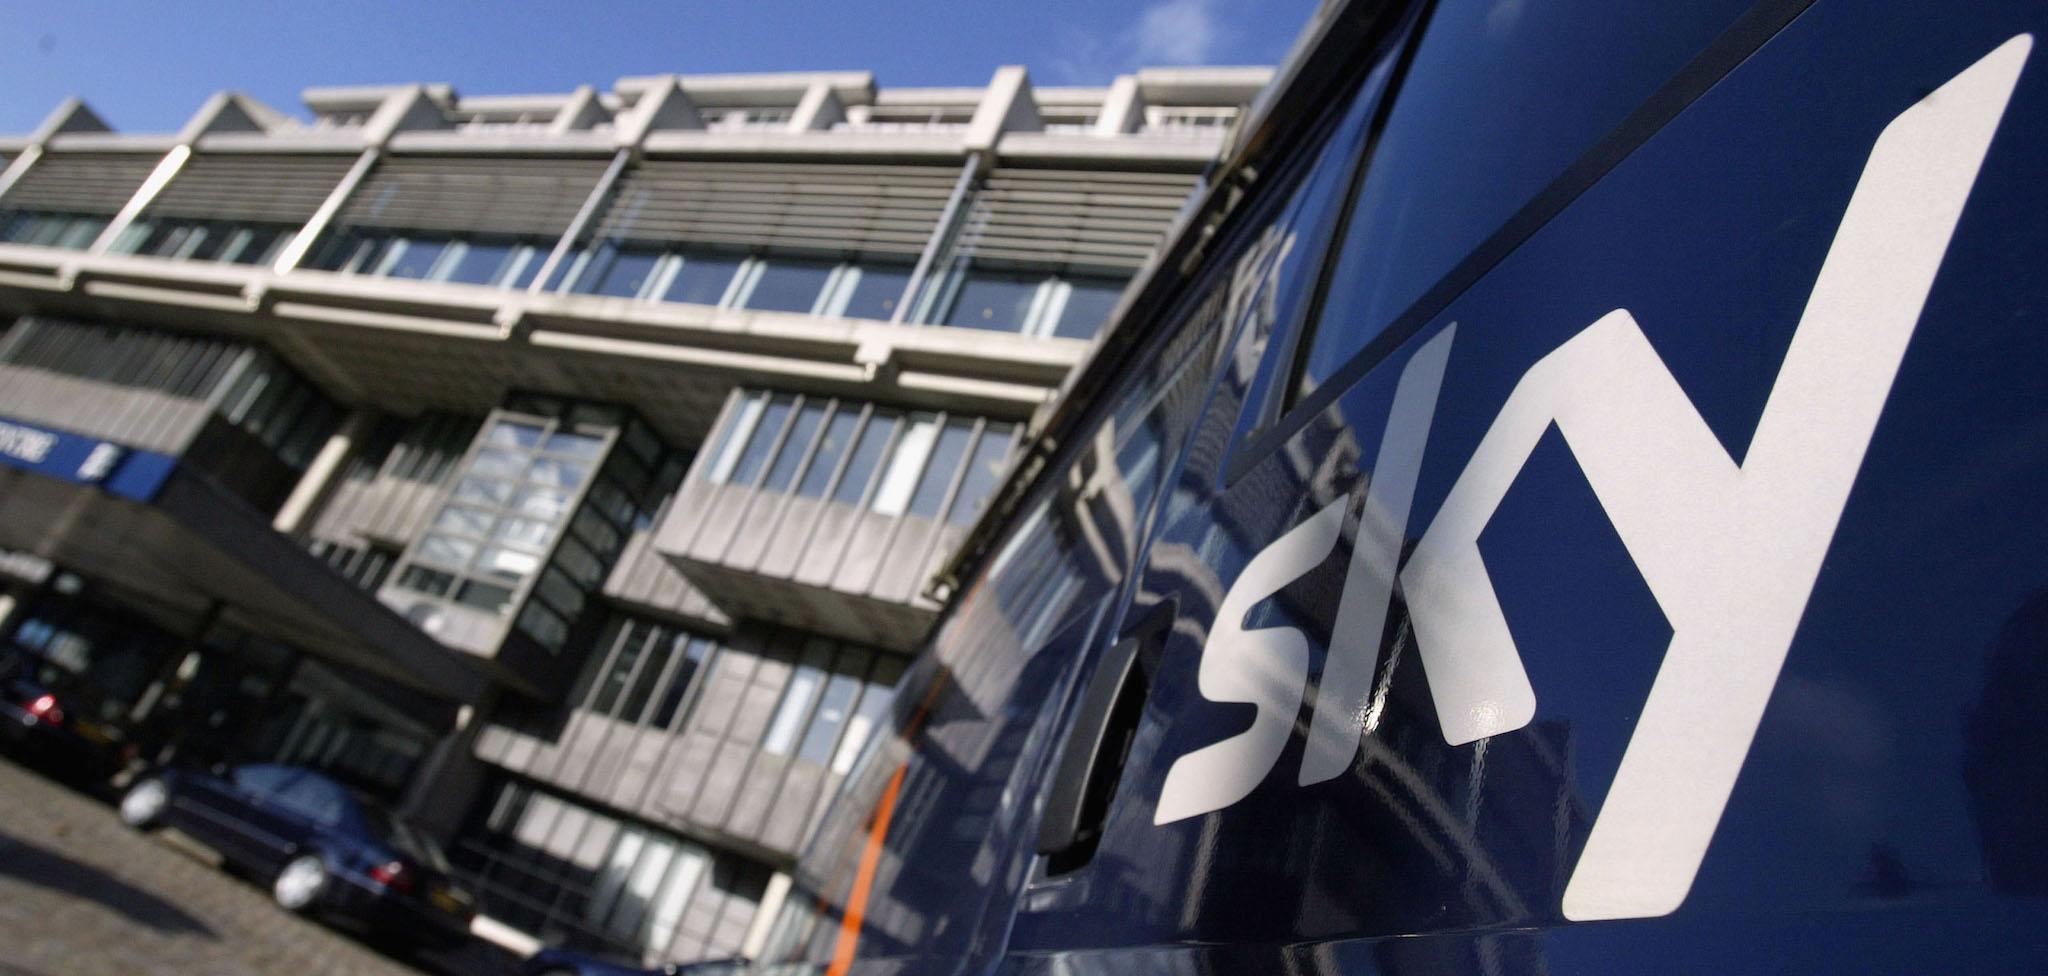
[(568, 470)]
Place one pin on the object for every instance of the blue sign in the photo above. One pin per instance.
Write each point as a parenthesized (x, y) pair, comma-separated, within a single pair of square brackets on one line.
[(119, 470)]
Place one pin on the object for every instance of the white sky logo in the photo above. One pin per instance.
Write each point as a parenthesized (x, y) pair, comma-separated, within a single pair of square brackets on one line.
[(1730, 551)]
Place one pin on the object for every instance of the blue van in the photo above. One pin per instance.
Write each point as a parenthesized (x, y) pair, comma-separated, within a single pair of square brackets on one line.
[(1573, 498)]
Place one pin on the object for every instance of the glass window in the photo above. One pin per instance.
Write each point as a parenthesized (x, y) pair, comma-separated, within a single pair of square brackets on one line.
[(733, 439), (523, 532), (574, 445), (487, 491), (445, 551), (702, 280), (874, 291), (830, 718), (548, 471), (619, 272), (755, 455), (795, 446), (1089, 302), (468, 521), (414, 258), (945, 463), (509, 565), (498, 463), (1477, 130), (984, 472), (485, 596), (838, 434), (681, 686), (795, 707), (632, 644), (994, 300), (480, 262), (873, 708), (543, 626), (905, 464), (788, 285), (659, 652)]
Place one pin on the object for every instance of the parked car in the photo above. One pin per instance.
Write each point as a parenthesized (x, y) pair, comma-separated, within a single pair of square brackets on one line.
[(43, 720), (323, 850), (569, 962)]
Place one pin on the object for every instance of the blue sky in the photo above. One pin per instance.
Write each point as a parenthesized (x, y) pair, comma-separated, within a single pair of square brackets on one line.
[(147, 66)]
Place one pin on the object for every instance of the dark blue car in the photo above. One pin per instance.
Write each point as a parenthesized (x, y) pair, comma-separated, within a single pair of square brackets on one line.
[(568, 962), (323, 850)]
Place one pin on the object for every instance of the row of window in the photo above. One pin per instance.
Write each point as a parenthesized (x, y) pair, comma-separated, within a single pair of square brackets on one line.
[(228, 242), (892, 462), (498, 261), (771, 283), (581, 876), (248, 387), (50, 229)]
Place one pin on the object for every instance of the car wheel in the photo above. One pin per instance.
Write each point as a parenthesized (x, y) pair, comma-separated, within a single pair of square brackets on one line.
[(144, 803), (299, 885)]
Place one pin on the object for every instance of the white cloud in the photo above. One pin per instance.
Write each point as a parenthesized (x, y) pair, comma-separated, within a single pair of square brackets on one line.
[(1174, 32), (1166, 32)]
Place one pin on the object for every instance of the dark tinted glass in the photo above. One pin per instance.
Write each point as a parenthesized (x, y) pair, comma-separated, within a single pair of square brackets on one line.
[(620, 273), (679, 686), (984, 470), (417, 259), (702, 280), (867, 453), (940, 468), (795, 446), (789, 286), (877, 291), (755, 455), (1088, 307), (480, 262), (838, 435), (992, 300), (1481, 123)]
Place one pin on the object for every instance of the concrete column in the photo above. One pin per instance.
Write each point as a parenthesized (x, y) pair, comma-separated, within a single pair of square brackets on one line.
[(446, 782), (818, 110), (1123, 111), (320, 474), (1008, 106)]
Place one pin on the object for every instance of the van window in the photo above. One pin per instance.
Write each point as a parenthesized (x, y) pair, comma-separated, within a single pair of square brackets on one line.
[(1478, 129)]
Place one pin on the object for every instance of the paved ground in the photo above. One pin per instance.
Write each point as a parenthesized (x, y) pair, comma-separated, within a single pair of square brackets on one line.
[(81, 894)]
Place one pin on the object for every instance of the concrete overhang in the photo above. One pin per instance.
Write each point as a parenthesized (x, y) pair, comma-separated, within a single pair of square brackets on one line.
[(409, 345), (194, 544)]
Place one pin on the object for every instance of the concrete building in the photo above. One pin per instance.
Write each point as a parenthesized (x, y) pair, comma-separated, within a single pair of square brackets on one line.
[(567, 469)]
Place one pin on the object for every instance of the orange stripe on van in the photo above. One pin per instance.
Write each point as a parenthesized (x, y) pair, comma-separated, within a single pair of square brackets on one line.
[(864, 880)]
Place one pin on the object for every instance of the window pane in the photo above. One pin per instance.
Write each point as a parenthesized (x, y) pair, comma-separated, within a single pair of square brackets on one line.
[(702, 279), (938, 474), (830, 718), (574, 445), (733, 437), (867, 454), (415, 258), (905, 464), (450, 552), (480, 263), (838, 434), (523, 532), (1475, 132), (502, 464), (507, 565), (1088, 307), (468, 521), (984, 472), (619, 273), (990, 300), (547, 471), (632, 645), (542, 503), (650, 673), (795, 446), (489, 491), (487, 596), (876, 291), (679, 687), (874, 707), (755, 455), (796, 705), (789, 286)]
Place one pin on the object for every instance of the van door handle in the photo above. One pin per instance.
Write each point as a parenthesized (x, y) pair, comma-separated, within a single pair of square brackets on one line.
[(1091, 762)]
